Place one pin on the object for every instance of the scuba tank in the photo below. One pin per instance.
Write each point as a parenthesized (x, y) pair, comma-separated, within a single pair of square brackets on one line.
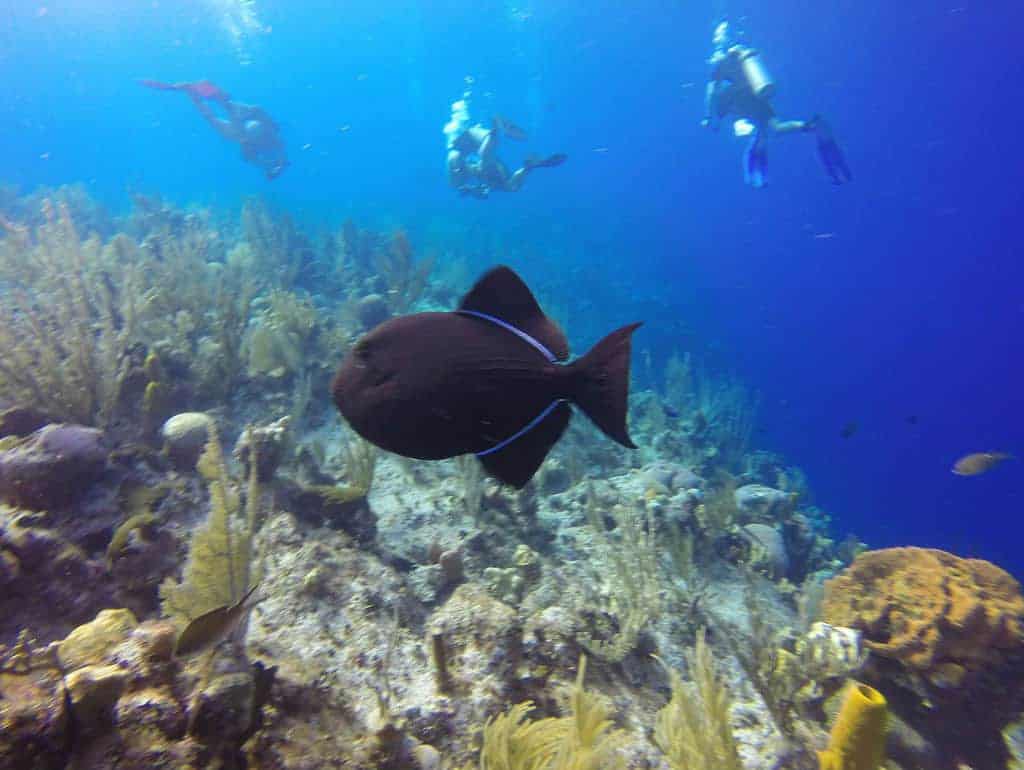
[(756, 74)]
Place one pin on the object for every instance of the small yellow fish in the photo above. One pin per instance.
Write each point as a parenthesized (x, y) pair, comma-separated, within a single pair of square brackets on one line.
[(978, 463), (213, 627)]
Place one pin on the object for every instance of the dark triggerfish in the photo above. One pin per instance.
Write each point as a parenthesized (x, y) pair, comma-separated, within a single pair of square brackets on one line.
[(483, 380)]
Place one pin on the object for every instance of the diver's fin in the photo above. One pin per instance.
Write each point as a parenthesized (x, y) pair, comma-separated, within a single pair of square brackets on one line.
[(755, 165), (831, 155), (601, 387), (502, 294), (834, 161), (516, 463)]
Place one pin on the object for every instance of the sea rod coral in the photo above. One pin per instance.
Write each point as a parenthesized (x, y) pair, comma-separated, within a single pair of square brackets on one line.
[(65, 325)]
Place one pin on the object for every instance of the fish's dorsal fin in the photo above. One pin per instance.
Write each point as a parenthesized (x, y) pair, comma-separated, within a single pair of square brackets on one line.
[(502, 294)]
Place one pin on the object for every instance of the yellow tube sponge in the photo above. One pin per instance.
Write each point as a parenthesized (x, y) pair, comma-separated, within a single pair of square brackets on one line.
[(857, 741)]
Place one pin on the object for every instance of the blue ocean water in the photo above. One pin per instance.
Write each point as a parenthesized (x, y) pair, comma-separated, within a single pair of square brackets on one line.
[(894, 302)]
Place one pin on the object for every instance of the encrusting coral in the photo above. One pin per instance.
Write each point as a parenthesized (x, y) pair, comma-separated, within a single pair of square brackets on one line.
[(52, 468), (934, 612), (947, 641)]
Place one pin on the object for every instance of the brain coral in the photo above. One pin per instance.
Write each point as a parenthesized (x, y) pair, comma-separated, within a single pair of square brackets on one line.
[(940, 615)]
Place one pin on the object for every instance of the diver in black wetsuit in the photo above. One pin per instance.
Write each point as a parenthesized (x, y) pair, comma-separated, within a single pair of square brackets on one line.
[(740, 85), (474, 168)]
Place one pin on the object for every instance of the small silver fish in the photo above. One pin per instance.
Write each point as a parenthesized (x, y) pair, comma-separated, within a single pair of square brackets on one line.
[(979, 462), (213, 627)]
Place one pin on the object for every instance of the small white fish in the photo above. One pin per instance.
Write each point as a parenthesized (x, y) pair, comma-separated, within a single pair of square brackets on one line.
[(600, 149), (44, 156), (824, 236), (307, 146)]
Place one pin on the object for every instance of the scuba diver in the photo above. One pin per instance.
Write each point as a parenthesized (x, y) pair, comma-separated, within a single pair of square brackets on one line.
[(473, 165), (247, 125), (740, 85)]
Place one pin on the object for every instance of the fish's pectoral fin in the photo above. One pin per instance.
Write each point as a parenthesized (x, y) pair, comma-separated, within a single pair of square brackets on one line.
[(516, 463), (501, 293)]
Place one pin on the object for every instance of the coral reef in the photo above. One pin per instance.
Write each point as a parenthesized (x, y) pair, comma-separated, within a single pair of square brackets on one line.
[(401, 613), (113, 695), (947, 641), (41, 568), (941, 616), (34, 722)]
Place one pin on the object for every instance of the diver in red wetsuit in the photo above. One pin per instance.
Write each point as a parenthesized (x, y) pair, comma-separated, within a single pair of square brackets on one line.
[(249, 126)]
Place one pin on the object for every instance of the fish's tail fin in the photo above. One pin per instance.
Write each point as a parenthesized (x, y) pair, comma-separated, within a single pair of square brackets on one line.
[(601, 387)]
